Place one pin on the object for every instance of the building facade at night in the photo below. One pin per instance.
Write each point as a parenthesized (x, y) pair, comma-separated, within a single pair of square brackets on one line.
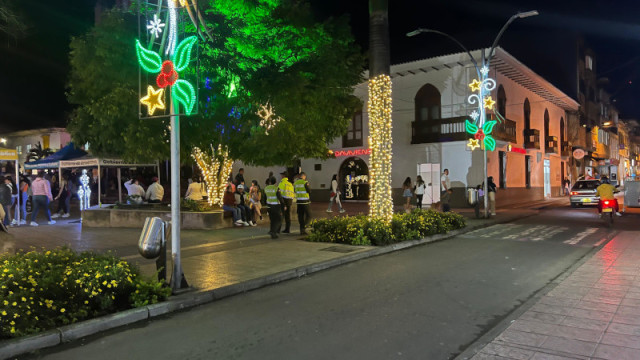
[(429, 112), (24, 140)]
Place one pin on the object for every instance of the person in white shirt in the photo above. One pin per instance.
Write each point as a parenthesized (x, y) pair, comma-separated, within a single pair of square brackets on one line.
[(445, 183), (195, 191), (155, 192), (419, 191), (134, 188), (335, 195)]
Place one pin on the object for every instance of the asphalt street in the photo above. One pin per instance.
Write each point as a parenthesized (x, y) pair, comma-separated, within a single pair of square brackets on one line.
[(428, 302)]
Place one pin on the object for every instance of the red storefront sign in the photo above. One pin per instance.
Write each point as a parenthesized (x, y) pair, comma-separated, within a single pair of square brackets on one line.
[(517, 149), (357, 152)]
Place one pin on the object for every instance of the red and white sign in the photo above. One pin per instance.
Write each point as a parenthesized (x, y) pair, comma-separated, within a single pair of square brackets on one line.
[(357, 152), (517, 149), (578, 154)]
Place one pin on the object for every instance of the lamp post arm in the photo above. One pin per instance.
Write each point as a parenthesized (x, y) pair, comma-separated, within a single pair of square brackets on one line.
[(473, 60)]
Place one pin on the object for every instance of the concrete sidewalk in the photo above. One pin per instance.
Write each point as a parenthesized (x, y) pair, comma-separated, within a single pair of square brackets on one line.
[(594, 313)]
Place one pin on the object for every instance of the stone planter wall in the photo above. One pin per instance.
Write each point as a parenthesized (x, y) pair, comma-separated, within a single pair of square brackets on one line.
[(134, 218)]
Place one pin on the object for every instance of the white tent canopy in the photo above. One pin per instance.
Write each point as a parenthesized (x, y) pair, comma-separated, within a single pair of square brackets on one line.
[(90, 161)]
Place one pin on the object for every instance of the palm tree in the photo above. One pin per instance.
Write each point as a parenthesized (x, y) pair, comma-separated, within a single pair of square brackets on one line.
[(380, 201), (37, 152)]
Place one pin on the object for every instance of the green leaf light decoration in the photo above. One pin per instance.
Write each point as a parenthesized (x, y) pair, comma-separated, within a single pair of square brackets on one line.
[(181, 90)]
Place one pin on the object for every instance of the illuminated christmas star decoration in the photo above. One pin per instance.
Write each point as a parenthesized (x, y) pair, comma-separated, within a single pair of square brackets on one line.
[(489, 102), (484, 71), (268, 118), (155, 26), (473, 144), (153, 100), (474, 115), (475, 85)]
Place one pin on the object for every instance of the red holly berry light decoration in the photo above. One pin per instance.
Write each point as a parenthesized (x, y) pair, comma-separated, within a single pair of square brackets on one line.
[(479, 135), (168, 75)]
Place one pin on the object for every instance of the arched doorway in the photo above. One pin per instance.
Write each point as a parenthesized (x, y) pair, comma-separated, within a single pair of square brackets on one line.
[(353, 179)]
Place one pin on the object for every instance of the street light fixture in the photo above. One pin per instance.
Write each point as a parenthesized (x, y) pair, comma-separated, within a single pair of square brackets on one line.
[(3, 141), (481, 75)]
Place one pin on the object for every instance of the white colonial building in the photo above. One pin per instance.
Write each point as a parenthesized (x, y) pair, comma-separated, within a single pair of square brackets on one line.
[(429, 112)]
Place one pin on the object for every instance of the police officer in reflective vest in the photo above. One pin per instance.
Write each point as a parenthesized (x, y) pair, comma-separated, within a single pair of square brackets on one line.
[(286, 189), (275, 203), (301, 187)]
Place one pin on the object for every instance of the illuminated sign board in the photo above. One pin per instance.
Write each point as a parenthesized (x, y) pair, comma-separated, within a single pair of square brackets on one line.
[(357, 152)]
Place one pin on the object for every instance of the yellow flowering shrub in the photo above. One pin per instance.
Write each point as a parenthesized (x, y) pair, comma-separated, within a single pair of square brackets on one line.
[(363, 230), (43, 290)]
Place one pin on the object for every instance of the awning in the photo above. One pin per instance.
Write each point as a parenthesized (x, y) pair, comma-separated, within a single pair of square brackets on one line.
[(53, 161)]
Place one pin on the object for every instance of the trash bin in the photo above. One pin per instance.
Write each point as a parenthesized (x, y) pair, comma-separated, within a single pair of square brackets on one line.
[(472, 196), (152, 238)]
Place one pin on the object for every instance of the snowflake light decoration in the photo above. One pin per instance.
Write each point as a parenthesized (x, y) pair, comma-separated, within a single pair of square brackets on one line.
[(155, 26), (268, 118)]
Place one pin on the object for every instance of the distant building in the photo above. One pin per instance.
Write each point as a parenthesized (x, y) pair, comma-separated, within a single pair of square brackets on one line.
[(429, 112), (24, 140)]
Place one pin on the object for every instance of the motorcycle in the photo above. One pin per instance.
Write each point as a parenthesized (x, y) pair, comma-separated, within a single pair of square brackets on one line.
[(608, 210)]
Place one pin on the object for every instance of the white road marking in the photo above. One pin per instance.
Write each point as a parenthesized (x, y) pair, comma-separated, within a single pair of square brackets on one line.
[(599, 242), (580, 236)]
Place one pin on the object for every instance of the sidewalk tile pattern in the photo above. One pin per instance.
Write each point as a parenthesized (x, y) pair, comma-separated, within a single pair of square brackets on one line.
[(594, 313)]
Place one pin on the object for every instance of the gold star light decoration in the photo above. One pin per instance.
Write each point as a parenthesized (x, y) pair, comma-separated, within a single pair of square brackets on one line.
[(153, 100), (489, 102), (475, 85), (473, 144)]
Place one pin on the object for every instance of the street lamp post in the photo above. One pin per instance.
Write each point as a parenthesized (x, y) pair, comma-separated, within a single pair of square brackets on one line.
[(482, 72)]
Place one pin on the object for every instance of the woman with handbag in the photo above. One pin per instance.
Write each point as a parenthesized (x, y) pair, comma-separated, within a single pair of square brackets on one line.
[(335, 195)]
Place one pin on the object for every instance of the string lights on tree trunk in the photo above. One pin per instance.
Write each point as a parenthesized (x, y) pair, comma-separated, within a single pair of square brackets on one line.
[(215, 169), (380, 142)]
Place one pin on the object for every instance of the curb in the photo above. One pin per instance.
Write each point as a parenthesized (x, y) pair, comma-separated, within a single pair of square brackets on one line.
[(14, 347)]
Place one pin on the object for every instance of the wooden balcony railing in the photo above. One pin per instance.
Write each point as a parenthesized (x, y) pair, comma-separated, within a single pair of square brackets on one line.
[(565, 150), (551, 144), (505, 131), (531, 139), (440, 130)]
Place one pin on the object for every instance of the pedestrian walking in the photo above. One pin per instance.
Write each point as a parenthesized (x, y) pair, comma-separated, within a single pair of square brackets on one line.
[(335, 195), (445, 199), (567, 186), (276, 204), (491, 189), (14, 199), (64, 198), (303, 202), (407, 194), (255, 197), (419, 190), (445, 183), (5, 200), (286, 189), (41, 190), (24, 197)]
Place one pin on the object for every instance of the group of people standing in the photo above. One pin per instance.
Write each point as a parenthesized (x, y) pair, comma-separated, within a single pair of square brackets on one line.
[(278, 196), (409, 190), (40, 191)]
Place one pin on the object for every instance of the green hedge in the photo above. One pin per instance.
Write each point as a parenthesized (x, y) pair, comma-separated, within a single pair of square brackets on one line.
[(363, 230), (44, 290)]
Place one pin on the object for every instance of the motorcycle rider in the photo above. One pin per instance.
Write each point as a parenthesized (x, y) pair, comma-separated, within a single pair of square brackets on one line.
[(605, 191)]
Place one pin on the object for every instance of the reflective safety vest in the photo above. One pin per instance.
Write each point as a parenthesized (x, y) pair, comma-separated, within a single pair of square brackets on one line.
[(272, 194), (301, 191), (286, 189)]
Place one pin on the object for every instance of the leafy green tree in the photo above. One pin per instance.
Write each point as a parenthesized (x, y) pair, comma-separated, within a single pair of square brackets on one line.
[(251, 52)]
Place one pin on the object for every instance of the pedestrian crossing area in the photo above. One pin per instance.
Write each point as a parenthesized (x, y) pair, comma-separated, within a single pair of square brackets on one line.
[(574, 236)]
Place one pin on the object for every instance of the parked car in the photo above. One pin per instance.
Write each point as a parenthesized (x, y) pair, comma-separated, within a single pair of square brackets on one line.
[(583, 192)]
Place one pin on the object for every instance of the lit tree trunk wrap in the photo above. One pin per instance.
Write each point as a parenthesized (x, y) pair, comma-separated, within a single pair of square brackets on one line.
[(215, 169), (380, 142)]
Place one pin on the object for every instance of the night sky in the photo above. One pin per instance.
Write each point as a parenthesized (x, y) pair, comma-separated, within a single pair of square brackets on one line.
[(35, 68)]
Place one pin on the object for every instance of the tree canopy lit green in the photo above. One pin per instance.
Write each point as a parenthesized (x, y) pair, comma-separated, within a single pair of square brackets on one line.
[(258, 51)]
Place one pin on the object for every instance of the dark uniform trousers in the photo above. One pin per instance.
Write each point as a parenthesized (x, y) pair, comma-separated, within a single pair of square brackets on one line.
[(304, 215), (275, 218), (287, 215)]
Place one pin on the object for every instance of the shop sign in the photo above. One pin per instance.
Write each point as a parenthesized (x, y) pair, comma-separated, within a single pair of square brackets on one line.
[(357, 152), (578, 154), (516, 149), (615, 162), (8, 154)]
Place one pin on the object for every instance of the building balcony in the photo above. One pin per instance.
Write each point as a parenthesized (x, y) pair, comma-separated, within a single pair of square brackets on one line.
[(440, 130), (565, 149), (531, 138), (551, 144), (505, 131)]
